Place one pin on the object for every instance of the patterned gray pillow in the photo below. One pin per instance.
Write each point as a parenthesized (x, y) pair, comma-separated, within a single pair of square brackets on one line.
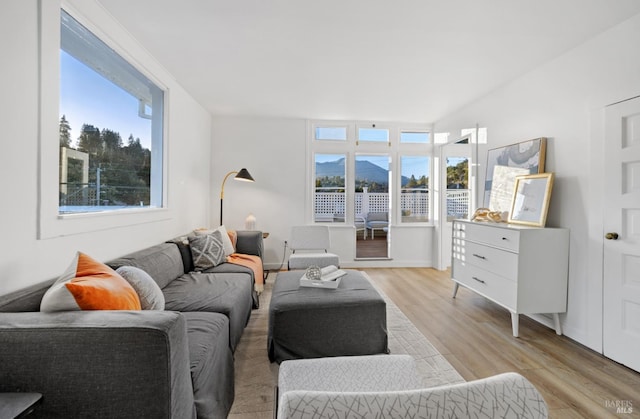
[(207, 251)]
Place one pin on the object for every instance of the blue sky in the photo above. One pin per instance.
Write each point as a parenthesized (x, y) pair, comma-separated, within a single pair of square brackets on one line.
[(88, 98), (453, 161)]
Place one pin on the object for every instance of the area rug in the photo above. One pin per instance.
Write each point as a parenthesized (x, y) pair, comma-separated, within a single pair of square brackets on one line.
[(256, 377)]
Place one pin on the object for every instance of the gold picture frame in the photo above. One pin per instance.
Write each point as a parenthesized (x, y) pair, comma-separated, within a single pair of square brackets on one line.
[(530, 202)]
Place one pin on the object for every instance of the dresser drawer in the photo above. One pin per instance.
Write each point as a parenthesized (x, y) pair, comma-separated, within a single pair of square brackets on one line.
[(502, 237), (498, 261), (485, 283)]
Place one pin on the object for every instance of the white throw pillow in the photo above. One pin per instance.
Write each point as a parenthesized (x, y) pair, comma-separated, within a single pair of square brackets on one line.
[(150, 294)]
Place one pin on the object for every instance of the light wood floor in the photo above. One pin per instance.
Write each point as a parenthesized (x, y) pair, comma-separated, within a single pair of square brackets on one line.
[(475, 337)]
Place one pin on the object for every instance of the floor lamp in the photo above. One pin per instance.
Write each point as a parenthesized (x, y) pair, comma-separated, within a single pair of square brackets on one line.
[(242, 175)]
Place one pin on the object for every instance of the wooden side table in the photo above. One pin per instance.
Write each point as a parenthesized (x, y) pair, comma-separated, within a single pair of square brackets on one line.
[(18, 405)]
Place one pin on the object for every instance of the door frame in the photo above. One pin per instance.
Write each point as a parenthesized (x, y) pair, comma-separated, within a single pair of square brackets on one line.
[(443, 257), (390, 196), (619, 344), (595, 230)]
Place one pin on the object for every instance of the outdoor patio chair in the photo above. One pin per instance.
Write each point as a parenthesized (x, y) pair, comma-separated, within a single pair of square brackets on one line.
[(377, 221), (361, 225)]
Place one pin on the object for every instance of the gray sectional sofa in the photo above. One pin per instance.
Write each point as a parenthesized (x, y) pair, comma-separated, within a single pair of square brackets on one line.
[(176, 363)]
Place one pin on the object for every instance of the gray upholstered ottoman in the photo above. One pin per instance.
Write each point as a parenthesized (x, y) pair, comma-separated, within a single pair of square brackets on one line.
[(316, 323)]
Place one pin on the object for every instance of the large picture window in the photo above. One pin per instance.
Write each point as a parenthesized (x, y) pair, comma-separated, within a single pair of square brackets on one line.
[(111, 134), (393, 179)]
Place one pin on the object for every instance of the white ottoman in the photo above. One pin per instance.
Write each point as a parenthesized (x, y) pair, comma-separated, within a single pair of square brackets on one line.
[(350, 373)]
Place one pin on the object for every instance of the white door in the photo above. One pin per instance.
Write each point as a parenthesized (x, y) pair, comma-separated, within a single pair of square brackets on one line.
[(457, 191), (621, 337)]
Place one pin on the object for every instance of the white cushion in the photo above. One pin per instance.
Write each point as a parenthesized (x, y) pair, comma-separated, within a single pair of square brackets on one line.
[(350, 373), (507, 395), (303, 260)]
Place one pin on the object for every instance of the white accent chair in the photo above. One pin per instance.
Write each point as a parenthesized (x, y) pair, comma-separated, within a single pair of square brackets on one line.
[(377, 221), (388, 386), (310, 246)]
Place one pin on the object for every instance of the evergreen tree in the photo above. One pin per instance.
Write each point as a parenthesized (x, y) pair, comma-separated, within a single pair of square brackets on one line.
[(111, 140), (89, 140), (412, 183), (459, 174), (125, 170), (65, 132)]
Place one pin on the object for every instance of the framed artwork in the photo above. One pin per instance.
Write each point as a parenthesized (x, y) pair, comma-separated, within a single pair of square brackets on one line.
[(531, 197), (504, 179), (529, 155)]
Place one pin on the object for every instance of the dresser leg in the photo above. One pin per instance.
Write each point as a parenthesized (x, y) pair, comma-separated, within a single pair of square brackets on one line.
[(455, 289), (556, 321), (515, 320)]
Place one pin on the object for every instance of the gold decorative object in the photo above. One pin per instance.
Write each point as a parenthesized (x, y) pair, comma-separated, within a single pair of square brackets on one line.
[(485, 214)]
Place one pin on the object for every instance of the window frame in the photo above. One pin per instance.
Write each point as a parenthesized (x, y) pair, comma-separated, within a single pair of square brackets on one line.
[(429, 189), (331, 124), (410, 149), (314, 176), (415, 131), (50, 223), (353, 147), (374, 126), (156, 117)]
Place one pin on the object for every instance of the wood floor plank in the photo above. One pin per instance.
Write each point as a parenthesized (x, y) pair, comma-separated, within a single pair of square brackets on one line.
[(474, 335)]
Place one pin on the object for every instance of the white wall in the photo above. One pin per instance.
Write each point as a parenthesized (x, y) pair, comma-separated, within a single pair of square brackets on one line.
[(25, 260), (275, 153), (563, 100)]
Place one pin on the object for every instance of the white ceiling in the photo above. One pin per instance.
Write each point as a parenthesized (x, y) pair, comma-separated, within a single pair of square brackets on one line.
[(402, 60)]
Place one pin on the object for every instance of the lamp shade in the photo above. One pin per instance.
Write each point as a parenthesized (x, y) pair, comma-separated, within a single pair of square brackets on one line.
[(244, 175)]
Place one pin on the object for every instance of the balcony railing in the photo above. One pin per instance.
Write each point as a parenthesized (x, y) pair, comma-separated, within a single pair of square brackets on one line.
[(88, 197), (413, 203)]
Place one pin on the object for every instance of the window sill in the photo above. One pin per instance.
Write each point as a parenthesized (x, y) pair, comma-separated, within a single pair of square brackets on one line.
[(59, 225)]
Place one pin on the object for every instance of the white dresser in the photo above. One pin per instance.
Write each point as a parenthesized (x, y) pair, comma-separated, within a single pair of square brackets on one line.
[(523, 269)]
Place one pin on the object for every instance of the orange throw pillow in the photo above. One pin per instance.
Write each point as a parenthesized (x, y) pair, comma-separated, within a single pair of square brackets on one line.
[(233, 236), (90, 285)]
